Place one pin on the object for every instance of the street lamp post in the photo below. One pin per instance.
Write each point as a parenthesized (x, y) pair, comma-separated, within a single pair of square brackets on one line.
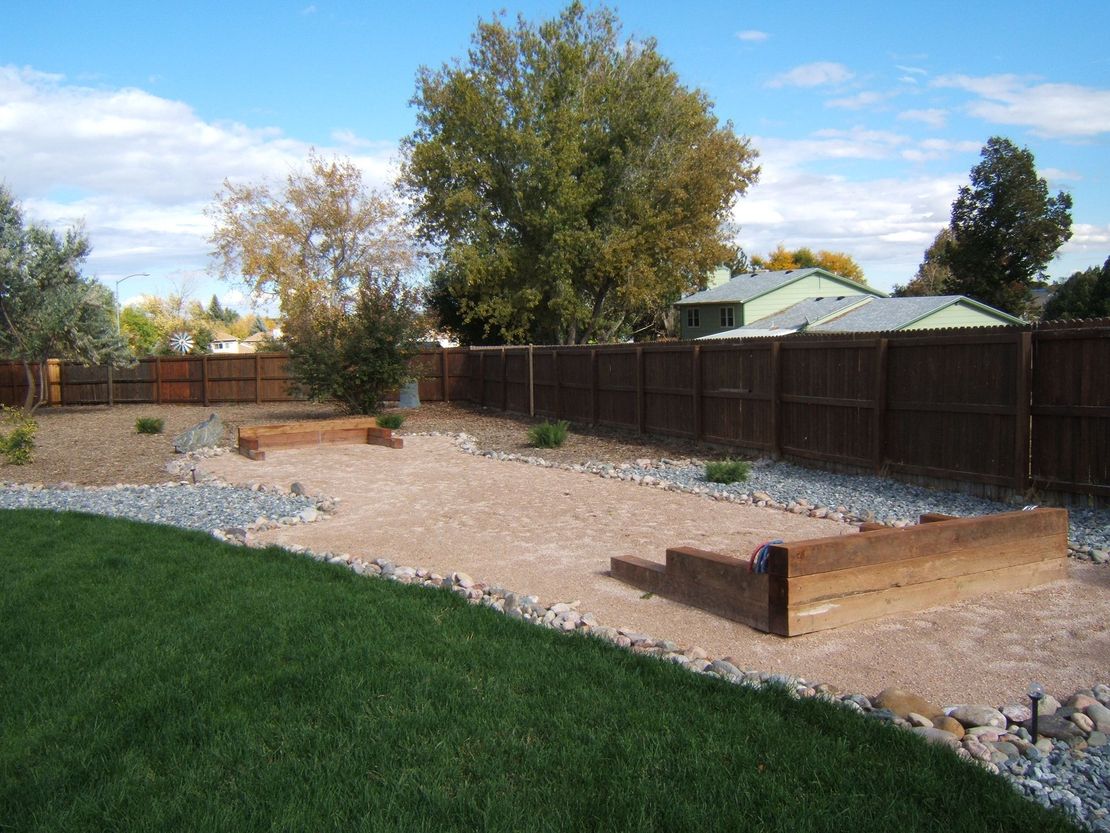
[(121, 280)]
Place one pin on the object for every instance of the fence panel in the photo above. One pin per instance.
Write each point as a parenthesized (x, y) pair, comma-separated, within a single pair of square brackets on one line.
[(736, 394), (1071, 410), (135, 384), (616, 387), (952, 407), (668, 390)]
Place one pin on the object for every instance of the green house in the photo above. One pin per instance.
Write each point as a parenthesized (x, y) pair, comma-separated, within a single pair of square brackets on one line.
[(751, 296)]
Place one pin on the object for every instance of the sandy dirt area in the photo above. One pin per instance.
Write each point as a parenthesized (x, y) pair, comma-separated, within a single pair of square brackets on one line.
[(551, 533)]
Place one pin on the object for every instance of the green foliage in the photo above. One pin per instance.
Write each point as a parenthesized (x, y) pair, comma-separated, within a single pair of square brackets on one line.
[(572, 183), (47, 308), (1085, 294), (1005, 229), (391, 421), (355, 356), (168, 681), (932, 276), (549, 434), (727, 471), (17, 435), (140, 330), (149, 425), (216, 312)]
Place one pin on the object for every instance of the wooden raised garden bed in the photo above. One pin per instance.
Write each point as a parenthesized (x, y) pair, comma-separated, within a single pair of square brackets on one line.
[(255, 440), (828, 582)]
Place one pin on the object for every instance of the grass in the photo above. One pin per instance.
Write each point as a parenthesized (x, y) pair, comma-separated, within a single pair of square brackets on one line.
[(549, 434), (727, 471), (155, 679), (149, 425), (393, 421)]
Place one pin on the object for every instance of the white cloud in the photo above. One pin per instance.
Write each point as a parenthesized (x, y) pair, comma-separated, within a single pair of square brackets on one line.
[(139, 168), (934, 117), (911, 70), (1054, 110), (752, 35), (928, 149), (859, 101), (307, 10), (813, 75)]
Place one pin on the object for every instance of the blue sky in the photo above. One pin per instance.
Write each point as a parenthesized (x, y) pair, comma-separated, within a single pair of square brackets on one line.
[(868, 116)]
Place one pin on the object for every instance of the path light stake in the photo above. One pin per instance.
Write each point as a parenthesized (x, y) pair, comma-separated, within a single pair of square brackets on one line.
[(1036, 692)]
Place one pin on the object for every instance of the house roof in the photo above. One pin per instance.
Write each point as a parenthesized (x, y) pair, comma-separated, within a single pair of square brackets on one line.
[(883, 314), (855, 314), (750, 285), (255, 337), (221, 335)]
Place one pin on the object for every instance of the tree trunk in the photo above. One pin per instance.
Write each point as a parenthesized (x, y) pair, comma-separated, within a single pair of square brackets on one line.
[(29, 399)]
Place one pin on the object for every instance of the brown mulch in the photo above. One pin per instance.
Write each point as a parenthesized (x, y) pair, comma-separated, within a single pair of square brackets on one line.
[(98, 445)]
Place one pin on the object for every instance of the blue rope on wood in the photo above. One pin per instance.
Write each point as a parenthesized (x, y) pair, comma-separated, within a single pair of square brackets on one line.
[(758, 562)]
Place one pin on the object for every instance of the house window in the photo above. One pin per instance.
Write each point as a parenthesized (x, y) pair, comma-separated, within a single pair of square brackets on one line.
[(693, 317), (726, 317)]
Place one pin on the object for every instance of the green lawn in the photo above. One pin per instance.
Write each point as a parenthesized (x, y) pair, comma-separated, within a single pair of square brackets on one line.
[(153, 679)]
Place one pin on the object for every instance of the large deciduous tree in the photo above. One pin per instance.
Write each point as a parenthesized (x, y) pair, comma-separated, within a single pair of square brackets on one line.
[(570, 183), (334, 254), (48, 309), (933, 275), (1005, 228), (1085, 294)]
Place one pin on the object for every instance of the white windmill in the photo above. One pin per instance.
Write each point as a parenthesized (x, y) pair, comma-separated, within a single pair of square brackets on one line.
[(181, 342)]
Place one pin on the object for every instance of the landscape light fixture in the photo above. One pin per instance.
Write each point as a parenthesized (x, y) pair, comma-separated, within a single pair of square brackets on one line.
[(121, 280), (1036, 694)]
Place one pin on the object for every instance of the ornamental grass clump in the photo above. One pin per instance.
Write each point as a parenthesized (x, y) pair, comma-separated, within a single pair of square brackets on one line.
[(549, 434), (391, 421), (727, 471), (149, 425), (17, 435)]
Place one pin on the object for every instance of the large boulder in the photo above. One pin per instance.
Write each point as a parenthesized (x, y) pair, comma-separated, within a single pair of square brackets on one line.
[(902, 702), (202, 435)]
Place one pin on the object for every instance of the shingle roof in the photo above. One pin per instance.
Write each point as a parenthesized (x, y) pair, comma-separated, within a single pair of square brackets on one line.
[(747, 286), (886, 314), (809, 310)]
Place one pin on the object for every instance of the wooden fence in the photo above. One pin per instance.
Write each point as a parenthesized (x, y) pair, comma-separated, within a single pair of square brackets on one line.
[(1006, 410)]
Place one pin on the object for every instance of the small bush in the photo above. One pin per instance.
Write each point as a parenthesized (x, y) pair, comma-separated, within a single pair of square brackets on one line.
[(149, 425), (727, 471), (18, 442), (548, 434), (392, 421)]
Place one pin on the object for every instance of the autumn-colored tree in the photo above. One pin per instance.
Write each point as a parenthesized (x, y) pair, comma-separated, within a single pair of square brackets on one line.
[(334, 254), (572, 184), (839, 263)]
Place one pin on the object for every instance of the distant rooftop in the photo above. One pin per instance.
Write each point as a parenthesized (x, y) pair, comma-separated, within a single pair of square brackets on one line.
[(748, 285)]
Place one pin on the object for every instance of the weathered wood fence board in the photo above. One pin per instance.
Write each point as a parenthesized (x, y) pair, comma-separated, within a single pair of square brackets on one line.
[(1005, 409)]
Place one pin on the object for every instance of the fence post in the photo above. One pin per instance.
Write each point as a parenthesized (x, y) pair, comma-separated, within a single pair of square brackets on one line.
[(53, 369), (111, 400), (558, 387), (1022, 429), (880, 404), (697, 393), (445, 379), (641, 415), (531, 385), (204, 378), (482, 378), (776, 400), (594, 405), (257, 378), (158, 380)]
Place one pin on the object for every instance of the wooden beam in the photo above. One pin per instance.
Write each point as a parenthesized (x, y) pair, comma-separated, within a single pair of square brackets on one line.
[(1022, 417)]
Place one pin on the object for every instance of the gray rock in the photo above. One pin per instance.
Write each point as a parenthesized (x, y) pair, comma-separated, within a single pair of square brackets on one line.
[(724, 668), (971, 716), (938, 736), (1059, 728), (1017, 713), (297, 489), (1101, 716), (1097, 738), (308, 514), (1049, 705), (201, 435), (1081, 720)]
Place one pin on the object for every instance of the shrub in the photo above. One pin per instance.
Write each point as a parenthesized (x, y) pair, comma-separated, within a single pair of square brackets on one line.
[(17, 443), (149, 425), (548, 434), (727, 471), (392, 421)]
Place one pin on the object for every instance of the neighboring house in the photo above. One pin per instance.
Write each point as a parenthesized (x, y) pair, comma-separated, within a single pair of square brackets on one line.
[(751, 296), (225, 343), (867, 314)]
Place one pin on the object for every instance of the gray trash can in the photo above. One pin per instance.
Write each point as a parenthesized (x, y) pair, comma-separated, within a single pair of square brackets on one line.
[(410, 396)]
